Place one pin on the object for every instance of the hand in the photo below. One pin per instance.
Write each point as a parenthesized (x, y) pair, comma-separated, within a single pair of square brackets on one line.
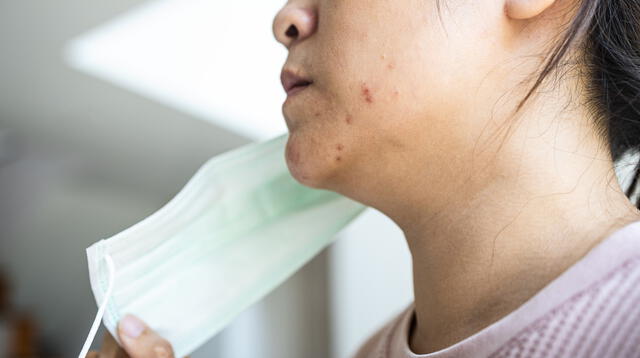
[(138, 341)]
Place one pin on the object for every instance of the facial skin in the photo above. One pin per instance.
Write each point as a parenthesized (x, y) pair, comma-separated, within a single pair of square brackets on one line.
[(382, 89), (410, 113), (397, 88)]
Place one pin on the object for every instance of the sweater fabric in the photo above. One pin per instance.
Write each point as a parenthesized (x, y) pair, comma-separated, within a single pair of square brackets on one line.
[(591, 310)]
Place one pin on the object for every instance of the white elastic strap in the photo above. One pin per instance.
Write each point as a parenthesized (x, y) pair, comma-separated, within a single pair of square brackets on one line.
[(103, 307)]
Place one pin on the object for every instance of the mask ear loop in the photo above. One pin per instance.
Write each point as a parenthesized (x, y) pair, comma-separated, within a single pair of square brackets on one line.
[(101, 309)]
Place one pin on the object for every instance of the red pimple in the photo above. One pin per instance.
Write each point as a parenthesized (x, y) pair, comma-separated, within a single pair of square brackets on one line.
[(391, 66), (366, 92), (348, 119)]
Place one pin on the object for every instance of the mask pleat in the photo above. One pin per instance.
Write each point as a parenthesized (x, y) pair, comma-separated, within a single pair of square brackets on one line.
[(240, 227)]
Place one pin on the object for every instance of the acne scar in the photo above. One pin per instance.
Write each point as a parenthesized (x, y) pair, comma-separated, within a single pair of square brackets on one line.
[(366, 92), (338, 158), (317, 114), (339, 147), (348, 119)]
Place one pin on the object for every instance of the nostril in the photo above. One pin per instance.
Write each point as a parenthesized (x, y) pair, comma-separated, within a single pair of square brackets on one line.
[(292, 31)]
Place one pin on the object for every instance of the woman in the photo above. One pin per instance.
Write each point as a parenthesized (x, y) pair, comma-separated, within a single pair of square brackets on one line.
[(487, 130)]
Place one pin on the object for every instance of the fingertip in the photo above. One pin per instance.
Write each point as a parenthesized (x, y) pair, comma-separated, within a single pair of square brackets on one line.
[(141, 341), (131, 327)]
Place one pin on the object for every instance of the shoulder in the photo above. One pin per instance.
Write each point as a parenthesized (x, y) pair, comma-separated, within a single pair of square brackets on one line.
[(602, 319), (377, 344)]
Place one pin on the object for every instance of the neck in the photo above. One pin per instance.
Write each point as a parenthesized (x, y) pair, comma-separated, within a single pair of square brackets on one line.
[(493, 245), (475, 264)]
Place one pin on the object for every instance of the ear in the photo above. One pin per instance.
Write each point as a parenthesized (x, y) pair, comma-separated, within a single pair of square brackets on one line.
[(526, 9)]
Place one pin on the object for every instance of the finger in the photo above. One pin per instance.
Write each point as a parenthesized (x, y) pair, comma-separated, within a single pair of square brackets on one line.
[(110, 348), (141, 341)]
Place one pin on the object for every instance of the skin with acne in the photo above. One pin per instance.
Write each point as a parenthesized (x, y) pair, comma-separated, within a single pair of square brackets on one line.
[(417, 120), (409, 110), (360, 95), (366, 93)]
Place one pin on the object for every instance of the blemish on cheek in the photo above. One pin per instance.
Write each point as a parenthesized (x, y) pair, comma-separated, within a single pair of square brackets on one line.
[(366, 93), (338, 158), (348, 119), (339, 147), (391, 65), (317, 114)]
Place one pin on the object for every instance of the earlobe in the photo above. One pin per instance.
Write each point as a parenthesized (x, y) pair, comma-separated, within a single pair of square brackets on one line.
[(526, 9)]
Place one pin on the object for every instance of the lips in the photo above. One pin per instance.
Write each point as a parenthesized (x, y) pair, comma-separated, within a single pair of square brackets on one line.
[(292, 82)]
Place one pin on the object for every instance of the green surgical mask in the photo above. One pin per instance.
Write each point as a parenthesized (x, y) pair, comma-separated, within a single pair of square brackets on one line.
[(240, 227)]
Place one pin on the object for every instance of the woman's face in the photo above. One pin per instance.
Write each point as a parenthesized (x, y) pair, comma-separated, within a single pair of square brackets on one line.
[(393, 88)]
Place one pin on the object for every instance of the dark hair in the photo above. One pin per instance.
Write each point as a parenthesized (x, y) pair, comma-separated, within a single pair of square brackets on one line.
[(607, 34)]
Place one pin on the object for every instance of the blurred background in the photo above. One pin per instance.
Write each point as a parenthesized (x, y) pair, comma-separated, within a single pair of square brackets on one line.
[(107, 108)]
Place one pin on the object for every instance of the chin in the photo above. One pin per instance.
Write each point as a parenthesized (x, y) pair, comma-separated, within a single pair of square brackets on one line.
[(306, 166)]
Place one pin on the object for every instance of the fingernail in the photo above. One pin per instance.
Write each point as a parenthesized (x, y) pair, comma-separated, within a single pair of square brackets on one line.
[(131, 326)]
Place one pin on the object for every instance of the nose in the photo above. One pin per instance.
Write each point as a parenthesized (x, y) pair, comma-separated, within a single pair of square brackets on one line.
[(294, 23)]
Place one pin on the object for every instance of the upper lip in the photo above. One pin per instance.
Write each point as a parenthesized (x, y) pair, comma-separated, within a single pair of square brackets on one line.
[(291, 79)]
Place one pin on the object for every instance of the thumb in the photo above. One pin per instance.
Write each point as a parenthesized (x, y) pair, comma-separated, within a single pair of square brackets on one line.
[(140, 341)]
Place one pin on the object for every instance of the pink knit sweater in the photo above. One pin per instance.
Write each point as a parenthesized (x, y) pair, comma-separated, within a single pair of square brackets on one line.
[(590, 310)]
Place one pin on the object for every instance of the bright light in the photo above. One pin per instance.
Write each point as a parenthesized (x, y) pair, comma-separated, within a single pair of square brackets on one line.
[(215, 60)]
